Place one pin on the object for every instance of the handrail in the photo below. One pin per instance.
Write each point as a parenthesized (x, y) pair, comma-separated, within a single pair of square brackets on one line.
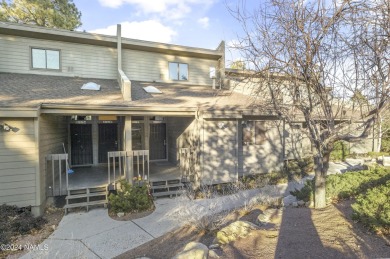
[(125, 161)]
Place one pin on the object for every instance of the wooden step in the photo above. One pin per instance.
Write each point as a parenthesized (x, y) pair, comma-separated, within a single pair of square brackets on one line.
[(167, 188), (84, 204), (168, 193), (85, 195)]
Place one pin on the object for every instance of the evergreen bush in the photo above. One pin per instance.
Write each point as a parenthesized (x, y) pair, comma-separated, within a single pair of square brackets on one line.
[(130, 198), (373, 208)]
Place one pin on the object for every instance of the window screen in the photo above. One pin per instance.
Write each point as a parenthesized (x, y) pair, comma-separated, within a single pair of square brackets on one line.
[(53, 59), (178, 71), (38, 58), (45, 59), (183, 72)]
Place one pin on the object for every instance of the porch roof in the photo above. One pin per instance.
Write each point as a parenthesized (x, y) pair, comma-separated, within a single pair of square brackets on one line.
[(29, 90)]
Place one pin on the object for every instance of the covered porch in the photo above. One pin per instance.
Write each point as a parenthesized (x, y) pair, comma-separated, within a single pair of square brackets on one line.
[(97, 175), (158, 151)]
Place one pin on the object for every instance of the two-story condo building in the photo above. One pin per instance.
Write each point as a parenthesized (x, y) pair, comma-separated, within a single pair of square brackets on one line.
[(81, 110)]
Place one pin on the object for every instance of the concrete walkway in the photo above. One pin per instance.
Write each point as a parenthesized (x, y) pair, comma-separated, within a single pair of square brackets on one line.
[(94, 234)]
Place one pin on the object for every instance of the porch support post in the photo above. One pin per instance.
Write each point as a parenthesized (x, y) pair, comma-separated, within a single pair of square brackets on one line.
[(128, 146)]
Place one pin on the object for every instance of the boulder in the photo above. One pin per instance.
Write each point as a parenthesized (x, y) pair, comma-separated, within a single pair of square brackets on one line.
[(295, 204), (193, 250), (232, 232), (386, 160), (262, 219), (213, 254), (301, 203), (288, 200), (214, 246)]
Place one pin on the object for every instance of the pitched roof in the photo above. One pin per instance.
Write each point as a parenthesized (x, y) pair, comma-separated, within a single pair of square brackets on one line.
[(28, 90)]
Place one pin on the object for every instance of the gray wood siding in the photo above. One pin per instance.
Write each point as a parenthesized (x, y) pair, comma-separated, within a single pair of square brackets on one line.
[(364, 145), (18, 156), (76, 59), (182, 133), (297, 144), (149, 66), (53, 131), (264, 158), (219, 151)]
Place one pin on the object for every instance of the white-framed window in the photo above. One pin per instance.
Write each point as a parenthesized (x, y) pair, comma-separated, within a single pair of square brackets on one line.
[(254, 132), (178, 71), (45, 58)]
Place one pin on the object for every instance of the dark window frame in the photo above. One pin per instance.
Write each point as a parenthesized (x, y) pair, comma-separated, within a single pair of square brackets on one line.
[(254, 132)]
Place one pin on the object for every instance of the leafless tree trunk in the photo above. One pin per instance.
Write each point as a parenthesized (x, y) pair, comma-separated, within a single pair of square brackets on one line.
[(310, 53)]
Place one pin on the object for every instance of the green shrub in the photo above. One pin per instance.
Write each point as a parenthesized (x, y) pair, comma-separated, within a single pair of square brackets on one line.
[(353, 183), (340, 151), (373, 208), (299, 168), (130, 198), (341, 186), (378, 154), (306, 193)]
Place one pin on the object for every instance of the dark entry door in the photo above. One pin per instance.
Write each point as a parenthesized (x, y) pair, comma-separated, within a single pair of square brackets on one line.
[(157, 145), (108, 140), (81, 144)]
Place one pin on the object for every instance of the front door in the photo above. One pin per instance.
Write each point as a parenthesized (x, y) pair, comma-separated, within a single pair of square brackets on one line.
[(81, 144), (157, 141), (108, 140)]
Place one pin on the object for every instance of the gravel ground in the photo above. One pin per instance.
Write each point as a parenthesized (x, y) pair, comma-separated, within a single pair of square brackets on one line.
[(294, 233)]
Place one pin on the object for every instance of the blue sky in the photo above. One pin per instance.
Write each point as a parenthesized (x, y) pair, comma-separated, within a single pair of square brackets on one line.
[(197, 23)]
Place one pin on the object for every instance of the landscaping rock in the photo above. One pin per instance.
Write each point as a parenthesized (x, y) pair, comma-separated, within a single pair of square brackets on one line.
[(232, 232), (386, 160), (295, 204), (301, 203), (213, 254), (288, 200), (265, 217), (270, 212), (120, 214), (262, 219), (214, 246), (193, 250)]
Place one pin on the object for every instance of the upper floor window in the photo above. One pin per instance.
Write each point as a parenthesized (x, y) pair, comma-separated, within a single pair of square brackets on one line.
[(178, 71), (45, 58)]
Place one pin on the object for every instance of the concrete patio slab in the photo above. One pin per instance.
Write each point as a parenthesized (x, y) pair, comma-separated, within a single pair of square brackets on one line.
[(81, 225), (118, 240), (94, 234), (62, 249)]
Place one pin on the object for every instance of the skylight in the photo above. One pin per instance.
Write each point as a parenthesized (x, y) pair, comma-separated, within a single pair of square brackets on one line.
[(91, 86), (152, 90)]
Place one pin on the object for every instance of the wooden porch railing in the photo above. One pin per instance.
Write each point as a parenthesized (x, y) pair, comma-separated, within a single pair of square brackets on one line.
[(58, 165), (128, 164)]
